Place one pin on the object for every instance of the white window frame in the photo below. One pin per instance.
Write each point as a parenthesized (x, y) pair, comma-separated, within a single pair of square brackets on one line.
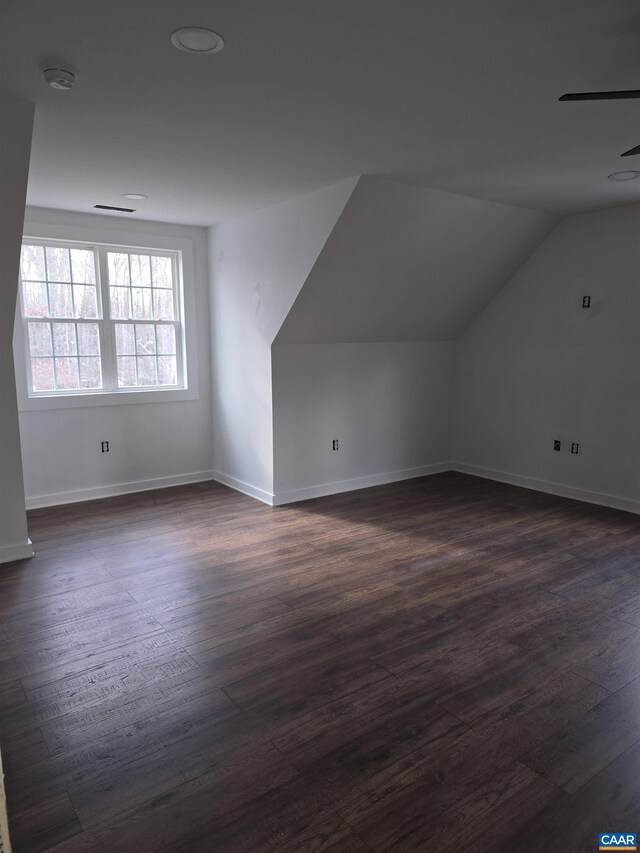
[(108, 238)]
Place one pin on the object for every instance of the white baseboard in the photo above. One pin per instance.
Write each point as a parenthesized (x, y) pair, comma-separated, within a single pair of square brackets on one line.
[(92, 494), (323, 489), (20, 551), (246, 488), (551, 488), (5, 841), (25, 550)]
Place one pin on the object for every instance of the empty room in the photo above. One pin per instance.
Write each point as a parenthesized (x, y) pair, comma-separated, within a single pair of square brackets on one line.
[(319, 426)]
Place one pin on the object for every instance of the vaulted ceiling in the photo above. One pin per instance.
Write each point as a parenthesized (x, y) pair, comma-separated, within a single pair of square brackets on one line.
[(410, 264), (456, 95)]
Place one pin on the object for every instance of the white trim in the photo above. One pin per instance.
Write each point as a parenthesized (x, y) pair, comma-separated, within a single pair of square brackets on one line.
[(78, 495), (323, 489), (246, 488), (559, 489), (5, 841), (126, 397), (21, 551)]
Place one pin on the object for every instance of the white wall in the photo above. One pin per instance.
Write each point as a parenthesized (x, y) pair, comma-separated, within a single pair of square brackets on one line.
[(15, 145), (536, 366), (366, 353), (363, 288), (407, 263), (151, 444), (258, 265), (388, 404)]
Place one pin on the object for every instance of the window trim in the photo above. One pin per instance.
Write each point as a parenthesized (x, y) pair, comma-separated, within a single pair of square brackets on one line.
[(98, 236)]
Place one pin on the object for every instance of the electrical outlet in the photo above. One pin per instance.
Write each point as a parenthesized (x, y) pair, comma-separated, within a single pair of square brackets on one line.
[(557, 445), (335, 445), (575, 447), (586, 302), (105, 446)]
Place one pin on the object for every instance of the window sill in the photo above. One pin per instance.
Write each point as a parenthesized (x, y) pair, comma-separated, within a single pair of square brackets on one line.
[(106, 398)]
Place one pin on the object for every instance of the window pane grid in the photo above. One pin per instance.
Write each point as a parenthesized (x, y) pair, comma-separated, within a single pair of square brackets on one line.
[(143, 302), (61, 287), (145, 357), (143, 288), (73, 294), (64, 362)]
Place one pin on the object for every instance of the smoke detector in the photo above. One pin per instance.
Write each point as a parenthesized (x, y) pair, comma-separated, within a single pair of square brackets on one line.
[(59, 78)]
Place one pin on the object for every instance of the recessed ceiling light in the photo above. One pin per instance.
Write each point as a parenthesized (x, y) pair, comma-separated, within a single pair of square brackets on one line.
[(197, 40), (624, 176), (134, 196)]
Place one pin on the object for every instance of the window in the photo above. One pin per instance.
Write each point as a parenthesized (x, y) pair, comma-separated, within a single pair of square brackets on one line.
[(101, 318)]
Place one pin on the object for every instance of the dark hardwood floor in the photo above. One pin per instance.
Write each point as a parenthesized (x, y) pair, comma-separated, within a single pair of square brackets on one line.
[(443, 664)]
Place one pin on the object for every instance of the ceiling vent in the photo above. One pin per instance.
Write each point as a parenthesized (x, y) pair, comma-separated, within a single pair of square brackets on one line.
[(119, 209)]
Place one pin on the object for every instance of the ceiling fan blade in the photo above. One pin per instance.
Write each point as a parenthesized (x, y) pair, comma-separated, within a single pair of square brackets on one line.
[(631, 152), (601, 96)]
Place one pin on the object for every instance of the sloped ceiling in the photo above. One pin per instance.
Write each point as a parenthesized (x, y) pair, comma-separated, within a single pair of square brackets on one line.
[(260, 262), (406, 263), (461, 95)]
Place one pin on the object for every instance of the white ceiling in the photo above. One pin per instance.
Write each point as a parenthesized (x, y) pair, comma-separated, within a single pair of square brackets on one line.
[(459, 95)]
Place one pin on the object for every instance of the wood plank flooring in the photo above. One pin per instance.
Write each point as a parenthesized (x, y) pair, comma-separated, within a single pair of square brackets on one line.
[(441, 664)]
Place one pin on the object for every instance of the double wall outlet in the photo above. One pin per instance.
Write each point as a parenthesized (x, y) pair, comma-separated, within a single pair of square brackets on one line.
[(335, 445), (105, 446), (574, 446)]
